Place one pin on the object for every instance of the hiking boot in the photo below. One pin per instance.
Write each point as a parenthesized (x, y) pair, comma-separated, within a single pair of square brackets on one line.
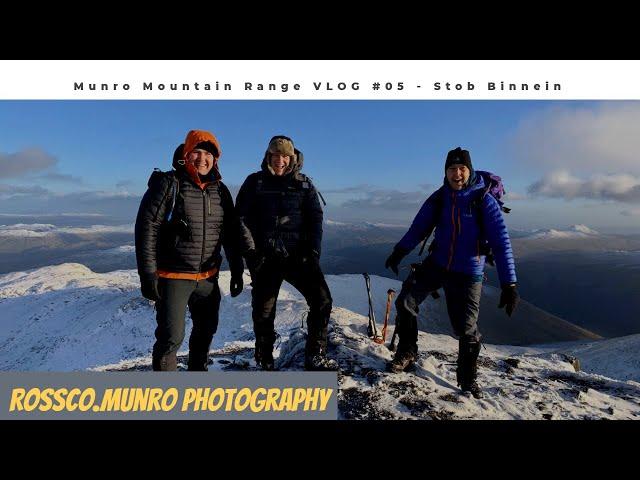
[(472, 388), (165, 363), (265, 361), (198, 363), (264, 355), (315, 349), (467, 371), (320, 363), (403, 361)]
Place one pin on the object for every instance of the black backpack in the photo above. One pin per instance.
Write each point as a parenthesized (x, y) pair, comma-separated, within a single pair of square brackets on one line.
[(173, 189)]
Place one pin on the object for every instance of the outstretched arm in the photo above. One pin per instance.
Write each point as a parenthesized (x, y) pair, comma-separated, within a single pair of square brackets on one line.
[(422, 225)]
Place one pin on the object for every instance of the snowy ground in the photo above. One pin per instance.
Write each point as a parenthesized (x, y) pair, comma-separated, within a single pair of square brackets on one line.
[(67, 317)]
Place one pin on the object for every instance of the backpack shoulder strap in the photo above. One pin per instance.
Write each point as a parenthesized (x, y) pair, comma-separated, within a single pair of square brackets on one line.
[(258, 180), (175, 188), (307, 184)]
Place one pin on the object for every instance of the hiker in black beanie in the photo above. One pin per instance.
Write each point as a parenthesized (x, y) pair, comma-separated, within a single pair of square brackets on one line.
[(466, 213)]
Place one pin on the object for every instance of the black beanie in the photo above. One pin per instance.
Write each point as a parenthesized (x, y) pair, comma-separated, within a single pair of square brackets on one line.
[(458, 156), (209, 147)]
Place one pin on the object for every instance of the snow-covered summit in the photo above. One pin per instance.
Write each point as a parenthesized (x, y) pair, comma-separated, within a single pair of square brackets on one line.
[(66, 317)]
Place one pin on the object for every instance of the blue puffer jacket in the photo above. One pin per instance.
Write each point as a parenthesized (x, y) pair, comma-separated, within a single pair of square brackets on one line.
[(457, 236)]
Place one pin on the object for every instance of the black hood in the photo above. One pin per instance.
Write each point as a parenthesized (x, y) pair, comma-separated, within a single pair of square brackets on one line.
[(177, 156)]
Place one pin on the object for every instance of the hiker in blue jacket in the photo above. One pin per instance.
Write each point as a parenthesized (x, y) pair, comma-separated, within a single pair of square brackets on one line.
[(468, 224)]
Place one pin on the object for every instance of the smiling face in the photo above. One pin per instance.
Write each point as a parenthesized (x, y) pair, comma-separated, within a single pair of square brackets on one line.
[(202, 160), (458, 176), (279, 163)]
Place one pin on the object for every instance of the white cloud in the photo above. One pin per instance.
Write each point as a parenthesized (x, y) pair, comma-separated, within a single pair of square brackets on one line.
[(561, 184), (631, 212), (25, 161), (62, 178), (369, 196), (353, 189), (120, 205), (388, 200), (125, 184), (8, 191), (603, 138), (514, 197)]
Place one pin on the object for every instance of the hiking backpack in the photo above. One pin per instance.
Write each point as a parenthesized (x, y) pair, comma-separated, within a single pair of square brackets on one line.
[(493, 187)]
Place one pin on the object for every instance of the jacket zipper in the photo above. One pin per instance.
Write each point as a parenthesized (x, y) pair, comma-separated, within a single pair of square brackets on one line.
[(453, 223), (204, 225)]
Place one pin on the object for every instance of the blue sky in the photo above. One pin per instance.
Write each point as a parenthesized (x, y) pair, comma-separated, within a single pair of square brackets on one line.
[(564, 162)]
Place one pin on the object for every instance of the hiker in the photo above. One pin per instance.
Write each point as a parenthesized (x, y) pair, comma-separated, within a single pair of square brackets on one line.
[(281, 217), (468, 222), (185, 217)]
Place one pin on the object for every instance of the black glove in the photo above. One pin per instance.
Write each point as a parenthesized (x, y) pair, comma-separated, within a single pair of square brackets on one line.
[(255, 261), (236, 284), (509, 298), (149, 286), (394, 260)]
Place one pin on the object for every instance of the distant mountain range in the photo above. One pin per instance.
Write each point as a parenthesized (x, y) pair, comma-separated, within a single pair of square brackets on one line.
[(578, 274)]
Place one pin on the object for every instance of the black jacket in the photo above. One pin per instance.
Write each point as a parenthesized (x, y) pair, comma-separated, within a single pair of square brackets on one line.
[(201, 222), (280, 215)]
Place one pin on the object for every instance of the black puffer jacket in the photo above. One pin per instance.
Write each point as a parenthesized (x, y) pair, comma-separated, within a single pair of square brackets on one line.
[(280, 215), (201, 222)]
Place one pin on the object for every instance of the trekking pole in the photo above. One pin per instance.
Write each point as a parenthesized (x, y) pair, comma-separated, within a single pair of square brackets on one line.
[(372, 331), (380, 340)]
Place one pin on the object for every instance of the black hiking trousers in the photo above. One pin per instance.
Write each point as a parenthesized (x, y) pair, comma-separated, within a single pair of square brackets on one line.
[(203, 299), (462, 292), (305, 275)]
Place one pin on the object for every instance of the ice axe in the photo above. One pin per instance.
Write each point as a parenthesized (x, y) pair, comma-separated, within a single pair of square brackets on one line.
[(380, 340), (371, 328)]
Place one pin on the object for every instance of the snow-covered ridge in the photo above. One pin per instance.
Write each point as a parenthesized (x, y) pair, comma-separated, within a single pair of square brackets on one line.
[(46, 229), (362, 225), (334, 223), (120, 250), (66, 317), (574, 231)]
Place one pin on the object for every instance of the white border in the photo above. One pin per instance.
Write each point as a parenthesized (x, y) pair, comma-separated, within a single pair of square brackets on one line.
[(578, 79)]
